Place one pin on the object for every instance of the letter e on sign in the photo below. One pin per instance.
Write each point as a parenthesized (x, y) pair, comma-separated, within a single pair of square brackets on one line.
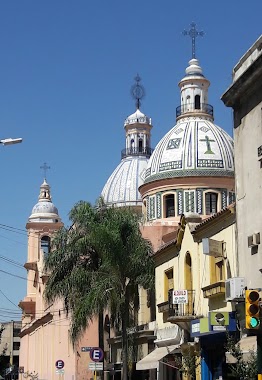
[(96, 354), (59, 364)]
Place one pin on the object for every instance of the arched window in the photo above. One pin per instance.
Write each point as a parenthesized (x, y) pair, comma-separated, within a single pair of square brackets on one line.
[(197, 102), (189, 307), (169, 202), (211, 203), (45, 244), (140, 146)]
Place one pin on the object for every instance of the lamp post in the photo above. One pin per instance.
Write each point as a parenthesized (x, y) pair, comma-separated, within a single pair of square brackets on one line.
[(11, 141)]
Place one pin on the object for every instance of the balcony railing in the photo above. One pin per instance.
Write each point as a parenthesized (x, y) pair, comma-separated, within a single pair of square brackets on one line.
[(137, 152), (183, 310), (191, 107)]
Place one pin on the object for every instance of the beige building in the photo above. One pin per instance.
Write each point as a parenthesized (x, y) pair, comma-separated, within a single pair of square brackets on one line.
[(245, 97), (46, 351)]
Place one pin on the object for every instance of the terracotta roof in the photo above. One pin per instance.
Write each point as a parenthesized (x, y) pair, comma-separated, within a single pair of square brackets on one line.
[(224, 211)]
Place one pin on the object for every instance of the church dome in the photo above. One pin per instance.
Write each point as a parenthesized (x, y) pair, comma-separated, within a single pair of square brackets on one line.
[(137, 117), (193, 147), (192, 167), (44, 210), (121, 189)]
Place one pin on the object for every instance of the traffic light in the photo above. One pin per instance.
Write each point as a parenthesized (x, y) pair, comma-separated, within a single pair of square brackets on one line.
[(252, 307)]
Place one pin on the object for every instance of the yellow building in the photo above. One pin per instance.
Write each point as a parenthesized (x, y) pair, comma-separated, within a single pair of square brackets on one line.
[(192, 314)]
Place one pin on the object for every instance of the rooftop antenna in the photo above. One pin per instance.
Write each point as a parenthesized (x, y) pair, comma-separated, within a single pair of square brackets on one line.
[(137, 91), (45, 167), (193, 33)]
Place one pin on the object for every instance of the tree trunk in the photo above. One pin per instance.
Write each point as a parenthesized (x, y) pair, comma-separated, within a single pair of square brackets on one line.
[(125, 344)]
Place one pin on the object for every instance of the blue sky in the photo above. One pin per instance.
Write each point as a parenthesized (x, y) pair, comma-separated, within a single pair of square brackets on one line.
[(66, 68)]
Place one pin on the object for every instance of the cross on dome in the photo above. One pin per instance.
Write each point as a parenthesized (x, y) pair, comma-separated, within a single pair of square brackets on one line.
[(45, 167), (193, 33), (137, 91)]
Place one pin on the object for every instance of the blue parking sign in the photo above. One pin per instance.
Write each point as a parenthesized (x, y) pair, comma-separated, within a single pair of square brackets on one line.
[(96, 354)]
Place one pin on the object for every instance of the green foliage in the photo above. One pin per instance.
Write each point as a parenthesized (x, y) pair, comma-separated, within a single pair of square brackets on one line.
[(98, 264), (187, 363), (244, 368)]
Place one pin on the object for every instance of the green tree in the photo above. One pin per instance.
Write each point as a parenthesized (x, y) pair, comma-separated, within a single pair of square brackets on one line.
[(243, 368), (98, 264)]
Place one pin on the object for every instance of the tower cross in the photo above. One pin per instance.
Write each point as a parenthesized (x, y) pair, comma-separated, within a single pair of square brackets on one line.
[(193, 33), (207, 140), (45, 167)]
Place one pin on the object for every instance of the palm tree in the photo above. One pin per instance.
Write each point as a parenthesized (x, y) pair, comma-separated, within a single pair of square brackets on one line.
[(98, 264)]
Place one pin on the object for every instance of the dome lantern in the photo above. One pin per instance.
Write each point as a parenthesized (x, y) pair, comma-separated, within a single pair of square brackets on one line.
[(121, 188), (44, 210)]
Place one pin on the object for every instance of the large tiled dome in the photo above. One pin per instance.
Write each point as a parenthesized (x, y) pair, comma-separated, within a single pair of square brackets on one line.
[(193, 147)]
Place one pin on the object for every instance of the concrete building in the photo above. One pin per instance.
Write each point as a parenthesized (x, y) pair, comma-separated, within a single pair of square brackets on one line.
[(245, 97), (9, 348)]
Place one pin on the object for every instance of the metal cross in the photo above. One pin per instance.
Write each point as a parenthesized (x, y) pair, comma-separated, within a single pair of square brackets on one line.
[(193, 33), (138, 91), (45, 167)]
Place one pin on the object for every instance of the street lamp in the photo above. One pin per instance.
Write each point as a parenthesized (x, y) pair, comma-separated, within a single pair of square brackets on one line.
[(11, 141)]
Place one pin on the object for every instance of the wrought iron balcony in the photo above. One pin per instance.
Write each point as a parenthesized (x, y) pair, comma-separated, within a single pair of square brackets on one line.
[(191, 107), (137, 152), (179, 312)]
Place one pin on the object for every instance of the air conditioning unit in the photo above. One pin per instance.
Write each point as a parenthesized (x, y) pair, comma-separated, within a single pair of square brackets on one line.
[(253, 240), (234, 288)]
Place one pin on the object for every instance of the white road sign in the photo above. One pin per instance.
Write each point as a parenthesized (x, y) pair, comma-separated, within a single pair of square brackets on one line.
[(96, 366)]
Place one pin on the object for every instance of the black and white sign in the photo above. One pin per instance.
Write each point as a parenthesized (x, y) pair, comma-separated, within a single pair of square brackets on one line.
[(59, 364), (180, 296)]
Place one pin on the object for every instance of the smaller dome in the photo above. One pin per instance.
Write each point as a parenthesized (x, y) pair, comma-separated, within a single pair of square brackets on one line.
[(44, 207), (194, 68), (137, 117), (121, 189), (44, 210)]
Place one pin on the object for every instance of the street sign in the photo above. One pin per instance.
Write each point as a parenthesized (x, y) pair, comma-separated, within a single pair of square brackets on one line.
[(59, 364), (96, 366), (180, 296), (86, 349), (96, 354), (60, 371)]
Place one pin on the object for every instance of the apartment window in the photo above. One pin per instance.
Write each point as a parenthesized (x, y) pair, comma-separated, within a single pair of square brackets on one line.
[(16, 332), (16, 346), (211, 203), (169, 282), (217, 269)]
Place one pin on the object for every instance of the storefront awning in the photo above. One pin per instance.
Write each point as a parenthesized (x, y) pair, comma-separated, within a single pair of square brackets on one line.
[(247, 345), (152, 360)]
